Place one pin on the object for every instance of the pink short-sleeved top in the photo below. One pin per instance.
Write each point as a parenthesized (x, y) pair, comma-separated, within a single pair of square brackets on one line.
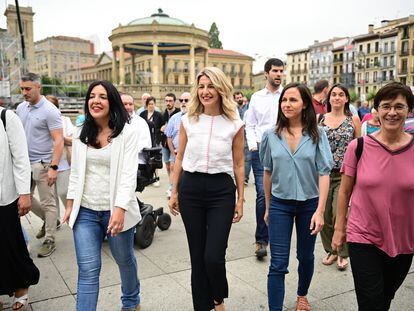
[(382, 202)]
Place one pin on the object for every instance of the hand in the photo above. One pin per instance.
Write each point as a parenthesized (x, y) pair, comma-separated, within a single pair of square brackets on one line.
[(24, 204), (338, 240), (316, 224), (162, 129), (173, 204), (116, 222), (253, 149), (51, 177), (66, 217), (266, 217), (238, 211)]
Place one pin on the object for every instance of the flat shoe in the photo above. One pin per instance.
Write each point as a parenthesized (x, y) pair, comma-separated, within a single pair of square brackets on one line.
[(342, 263), (22, 300), (329, 259)]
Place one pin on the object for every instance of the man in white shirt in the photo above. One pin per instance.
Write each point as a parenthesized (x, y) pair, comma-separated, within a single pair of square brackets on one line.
[(262, 115), (144, 140)]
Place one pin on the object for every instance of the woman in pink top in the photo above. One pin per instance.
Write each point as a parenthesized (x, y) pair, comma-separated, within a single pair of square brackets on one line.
[(380, 231)]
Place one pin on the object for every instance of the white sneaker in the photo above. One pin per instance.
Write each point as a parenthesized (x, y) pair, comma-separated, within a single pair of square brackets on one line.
[(156, 184)]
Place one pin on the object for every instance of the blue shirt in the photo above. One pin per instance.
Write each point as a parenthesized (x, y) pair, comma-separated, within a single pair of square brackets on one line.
[(295, 176), (38, 121), (173, 128)]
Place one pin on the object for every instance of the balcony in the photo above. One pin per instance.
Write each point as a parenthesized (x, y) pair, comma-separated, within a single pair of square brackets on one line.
[(299, 71), (402, 71), (338, 60), (404, 53)]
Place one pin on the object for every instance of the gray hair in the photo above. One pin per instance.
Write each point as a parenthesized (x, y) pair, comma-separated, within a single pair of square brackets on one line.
[(32, 77)]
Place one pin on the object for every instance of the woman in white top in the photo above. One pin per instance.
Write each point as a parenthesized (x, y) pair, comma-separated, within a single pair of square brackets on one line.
[(210, 159), (101, 197)]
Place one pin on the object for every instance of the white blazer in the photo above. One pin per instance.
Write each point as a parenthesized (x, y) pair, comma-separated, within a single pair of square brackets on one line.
[(122, 179)]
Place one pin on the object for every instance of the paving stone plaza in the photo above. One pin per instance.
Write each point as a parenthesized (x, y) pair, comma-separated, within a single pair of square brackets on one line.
[(164, 271)]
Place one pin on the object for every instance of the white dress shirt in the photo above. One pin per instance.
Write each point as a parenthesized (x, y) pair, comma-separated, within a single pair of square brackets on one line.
[(261, 115), (144, 136), (14, 160)]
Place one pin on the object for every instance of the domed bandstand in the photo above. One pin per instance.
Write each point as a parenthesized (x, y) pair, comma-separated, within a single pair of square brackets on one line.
[(160, 54), (159, 36)]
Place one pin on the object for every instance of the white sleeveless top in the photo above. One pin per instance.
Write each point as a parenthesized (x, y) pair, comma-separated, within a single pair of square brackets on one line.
[(96, 188), (209, 144)]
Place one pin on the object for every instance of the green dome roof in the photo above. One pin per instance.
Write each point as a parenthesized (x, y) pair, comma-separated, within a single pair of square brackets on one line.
[(159, 17)]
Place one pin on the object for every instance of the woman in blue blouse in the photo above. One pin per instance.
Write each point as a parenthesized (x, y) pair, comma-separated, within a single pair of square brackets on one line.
[(297, 160)]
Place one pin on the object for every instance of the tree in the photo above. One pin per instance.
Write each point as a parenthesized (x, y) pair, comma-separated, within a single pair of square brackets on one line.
[(214, 40)]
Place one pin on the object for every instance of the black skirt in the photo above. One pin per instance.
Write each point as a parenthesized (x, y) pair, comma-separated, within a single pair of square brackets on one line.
[(17, 269)]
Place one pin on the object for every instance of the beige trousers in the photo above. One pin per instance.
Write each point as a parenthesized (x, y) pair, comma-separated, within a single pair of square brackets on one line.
[(46, 208)]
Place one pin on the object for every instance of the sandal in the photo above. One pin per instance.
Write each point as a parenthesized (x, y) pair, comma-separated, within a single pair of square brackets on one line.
[(329, 259), (302, 304), (342, 263), (22, 300)]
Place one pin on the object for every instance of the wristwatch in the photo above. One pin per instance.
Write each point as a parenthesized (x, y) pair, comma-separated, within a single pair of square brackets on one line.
[(54, 167)]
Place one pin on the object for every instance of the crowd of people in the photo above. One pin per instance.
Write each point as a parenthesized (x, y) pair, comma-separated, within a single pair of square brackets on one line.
[(318, 163)]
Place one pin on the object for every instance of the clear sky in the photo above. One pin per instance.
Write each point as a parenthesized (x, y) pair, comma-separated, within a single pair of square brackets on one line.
[(260, 28)]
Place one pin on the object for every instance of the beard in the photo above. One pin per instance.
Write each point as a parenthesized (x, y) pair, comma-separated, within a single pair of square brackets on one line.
[(240, 102)]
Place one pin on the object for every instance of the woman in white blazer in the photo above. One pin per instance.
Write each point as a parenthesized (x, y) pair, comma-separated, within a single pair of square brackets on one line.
[(101, 196), (17, 270)]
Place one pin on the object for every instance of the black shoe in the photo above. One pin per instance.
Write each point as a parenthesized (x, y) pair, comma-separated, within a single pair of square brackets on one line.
[(260, 250)]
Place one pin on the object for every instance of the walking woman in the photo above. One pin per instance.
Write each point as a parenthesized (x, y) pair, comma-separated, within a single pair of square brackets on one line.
[(297, 161), (101, 198), (154, 120), (341, 127), (17, 270), (380, 231), (210, 159)]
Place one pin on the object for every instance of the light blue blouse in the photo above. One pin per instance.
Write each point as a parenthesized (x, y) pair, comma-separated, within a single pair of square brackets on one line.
[(295, 176)]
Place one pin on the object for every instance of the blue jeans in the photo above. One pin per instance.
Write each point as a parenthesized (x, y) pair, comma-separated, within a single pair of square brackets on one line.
[(247, 162), (89, 231), (282, 214), (262, 234)]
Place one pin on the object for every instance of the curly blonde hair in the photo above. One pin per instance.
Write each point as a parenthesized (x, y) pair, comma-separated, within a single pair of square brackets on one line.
[(222, 85)]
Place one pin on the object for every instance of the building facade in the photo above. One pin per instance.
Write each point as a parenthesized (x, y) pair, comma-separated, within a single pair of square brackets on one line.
[(296, 69), (54, 56), (405, 56)]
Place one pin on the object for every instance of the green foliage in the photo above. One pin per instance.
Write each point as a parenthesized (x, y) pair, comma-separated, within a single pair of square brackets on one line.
[(248, 93), (353, 96), (370, 96), (214, 40)]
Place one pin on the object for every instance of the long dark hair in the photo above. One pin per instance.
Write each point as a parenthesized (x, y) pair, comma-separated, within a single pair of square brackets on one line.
[(118, 116), (308, 113), (347, 111)]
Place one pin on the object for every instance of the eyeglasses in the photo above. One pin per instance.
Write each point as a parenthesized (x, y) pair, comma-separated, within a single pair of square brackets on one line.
[(397, 108), (185, 100)]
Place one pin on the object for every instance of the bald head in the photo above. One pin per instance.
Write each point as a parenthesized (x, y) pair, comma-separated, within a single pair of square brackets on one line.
[(128, 102), (144, 98), (184, 101)]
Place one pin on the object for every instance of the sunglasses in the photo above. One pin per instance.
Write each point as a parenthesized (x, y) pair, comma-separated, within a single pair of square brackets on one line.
[(186, 100)]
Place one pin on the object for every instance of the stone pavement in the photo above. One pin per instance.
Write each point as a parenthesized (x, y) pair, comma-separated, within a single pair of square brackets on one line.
[(164, 271)]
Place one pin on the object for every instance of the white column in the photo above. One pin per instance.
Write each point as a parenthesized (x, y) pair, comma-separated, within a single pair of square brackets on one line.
[(192, 65), (121, 65)]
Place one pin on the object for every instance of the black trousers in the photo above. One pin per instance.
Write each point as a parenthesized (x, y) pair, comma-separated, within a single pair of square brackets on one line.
[(207, 203), (377, 276), (17, 270)]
